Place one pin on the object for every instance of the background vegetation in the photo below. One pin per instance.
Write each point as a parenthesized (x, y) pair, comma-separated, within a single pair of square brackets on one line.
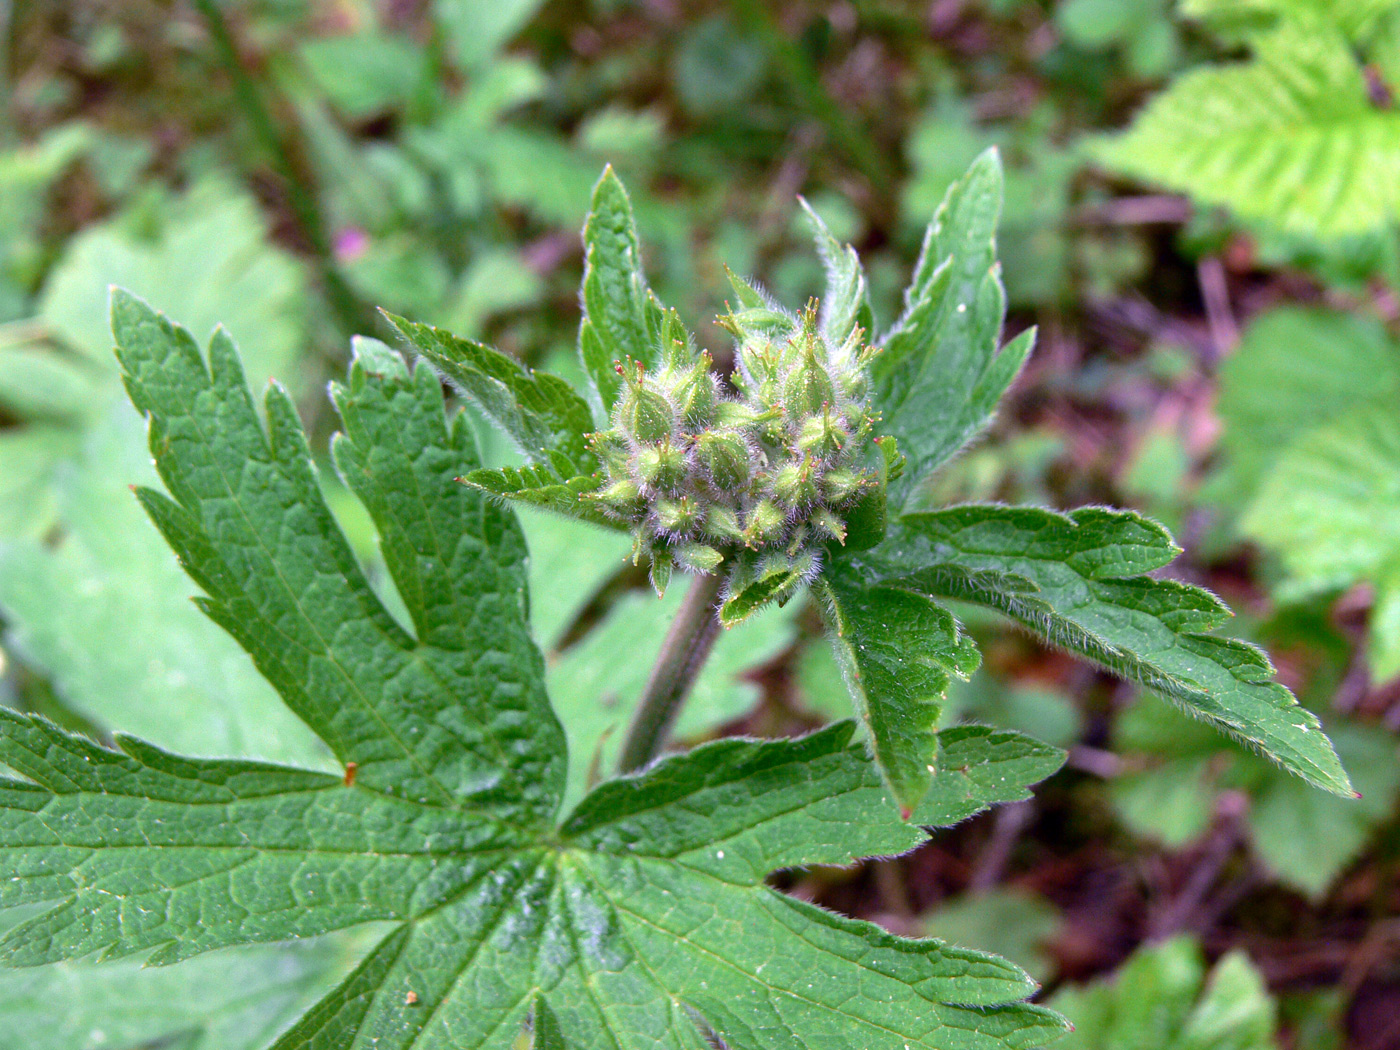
[(1218, 294)]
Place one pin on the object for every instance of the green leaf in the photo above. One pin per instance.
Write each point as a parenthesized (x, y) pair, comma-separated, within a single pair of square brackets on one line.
[(237, 999), (845, 305), (1161, 998), (639, 904), (105, 612), (1290, 137), (540, 486), (1296, 368), (621, 317), (940, 375), (979, 767), (414, 712), (212, 264), (539, 412), (897, 651), (643, 920), (1076, 580), (1013, 921), (1331, 508)]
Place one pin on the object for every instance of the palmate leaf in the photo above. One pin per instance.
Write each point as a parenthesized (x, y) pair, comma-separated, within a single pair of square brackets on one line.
[(940, 373), (1077, 580), (641, 920), (1291, 136)]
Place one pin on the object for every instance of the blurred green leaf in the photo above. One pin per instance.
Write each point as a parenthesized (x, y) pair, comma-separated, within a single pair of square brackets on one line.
[(1162, 998), (106, 613), (1009, 921)]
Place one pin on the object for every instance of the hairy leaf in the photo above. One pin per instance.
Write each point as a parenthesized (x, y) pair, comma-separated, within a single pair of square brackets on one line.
[(897, 651), (845, 306), (621, 317), (539, 412), (1077, 581), (940, 374), (431, 716)]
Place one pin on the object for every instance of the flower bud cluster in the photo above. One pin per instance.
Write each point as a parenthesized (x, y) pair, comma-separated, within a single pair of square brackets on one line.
[(758, 482)]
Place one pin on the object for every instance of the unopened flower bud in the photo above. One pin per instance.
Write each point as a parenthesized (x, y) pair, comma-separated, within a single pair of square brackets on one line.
[(765, 523), (662, 467), (610, 446), (829, 525), (646, 414), (838, 486), (722, 524), (822, 435), (677, 516), (794, 484), (725, 458), (696, 396), (696, 557)]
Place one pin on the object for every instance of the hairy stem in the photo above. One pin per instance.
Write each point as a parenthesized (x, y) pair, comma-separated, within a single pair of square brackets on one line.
[(684, 651)]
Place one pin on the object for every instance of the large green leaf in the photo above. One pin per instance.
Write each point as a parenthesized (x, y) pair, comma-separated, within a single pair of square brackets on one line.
[(635, 921), (1291, 136), (940, 374), (418, 713), (1331, 507), (1078, 580)]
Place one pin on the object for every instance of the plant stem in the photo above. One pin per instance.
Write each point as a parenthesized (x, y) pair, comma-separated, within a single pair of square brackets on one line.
[(687, 645)]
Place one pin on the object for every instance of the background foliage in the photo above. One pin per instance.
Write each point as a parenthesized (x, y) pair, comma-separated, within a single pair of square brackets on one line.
[(1201, 216)]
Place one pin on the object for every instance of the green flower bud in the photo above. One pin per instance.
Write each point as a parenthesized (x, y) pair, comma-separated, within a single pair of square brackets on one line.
[(829, 525), (696, 557), (610, 446), (645, 414), (794, 484), (765, 524), (823, 434), (838, 486), (808, 388), (622, 497), (695, 394), (677, 516), (662, 467), (724, 457), (722, 524)]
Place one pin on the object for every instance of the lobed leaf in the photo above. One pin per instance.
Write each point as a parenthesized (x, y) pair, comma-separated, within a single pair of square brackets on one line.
[(456, 715), (1074, 580)]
